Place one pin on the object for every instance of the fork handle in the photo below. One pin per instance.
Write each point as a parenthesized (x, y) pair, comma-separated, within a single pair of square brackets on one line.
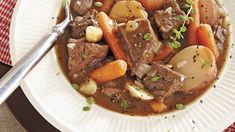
[(11, 80)]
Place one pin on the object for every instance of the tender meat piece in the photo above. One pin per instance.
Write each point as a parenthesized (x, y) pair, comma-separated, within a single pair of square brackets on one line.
[(139, 50), (219, 29), (162, 81), (153, 25), (82, 6), (141, 70), (78, 26), (83, 56), (117, 83), (220, 34), (115, 94), (168, 18), (111, 91)]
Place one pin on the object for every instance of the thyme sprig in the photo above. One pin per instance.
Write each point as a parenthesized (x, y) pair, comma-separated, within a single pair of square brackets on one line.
[(174, 39), (204, 62)]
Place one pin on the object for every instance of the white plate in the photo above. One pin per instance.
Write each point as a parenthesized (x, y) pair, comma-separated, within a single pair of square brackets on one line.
[(54, 98)]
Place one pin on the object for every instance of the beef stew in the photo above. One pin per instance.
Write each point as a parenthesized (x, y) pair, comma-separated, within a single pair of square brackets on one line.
[(143, 60)]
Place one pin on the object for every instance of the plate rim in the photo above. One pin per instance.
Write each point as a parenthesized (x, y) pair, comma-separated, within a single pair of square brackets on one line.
[(23, 84)]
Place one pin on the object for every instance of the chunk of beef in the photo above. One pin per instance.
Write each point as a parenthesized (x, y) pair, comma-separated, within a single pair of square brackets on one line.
[(111, 91), (117, 83), (82, 6), (78, 26), (153, 25), (140, 51), (162, 81), (220, 28), (115, 94), (141, 70), (83, 56), (220, 36), (168, 18)]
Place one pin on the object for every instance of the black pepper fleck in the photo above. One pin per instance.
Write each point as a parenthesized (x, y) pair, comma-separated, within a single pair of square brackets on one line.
[(214, 86), (165, 117), (194, 58), (193, 122), (201, 101)]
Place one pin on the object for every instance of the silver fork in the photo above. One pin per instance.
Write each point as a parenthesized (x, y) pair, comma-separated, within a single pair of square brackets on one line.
[(11, 80)]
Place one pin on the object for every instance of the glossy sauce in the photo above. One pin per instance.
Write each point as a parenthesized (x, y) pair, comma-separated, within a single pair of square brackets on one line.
[(136, 107)]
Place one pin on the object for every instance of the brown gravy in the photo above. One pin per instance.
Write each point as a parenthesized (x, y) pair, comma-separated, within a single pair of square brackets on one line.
[(136, 106)]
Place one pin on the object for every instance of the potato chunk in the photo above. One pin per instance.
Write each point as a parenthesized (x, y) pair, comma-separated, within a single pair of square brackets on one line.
[(123, 11), (199, 65), (138, 92), (89, 87), (94, 34), (208, 11)]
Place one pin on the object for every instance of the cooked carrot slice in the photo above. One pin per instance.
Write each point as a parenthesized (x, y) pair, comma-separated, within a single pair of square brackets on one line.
[(107, 25), (192, 28), (163, 54), (206, 37), (158, 106), (109, 71), (152, 5)]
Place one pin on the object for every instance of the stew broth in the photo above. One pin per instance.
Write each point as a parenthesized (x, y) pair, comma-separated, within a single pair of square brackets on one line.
[(135, 106)]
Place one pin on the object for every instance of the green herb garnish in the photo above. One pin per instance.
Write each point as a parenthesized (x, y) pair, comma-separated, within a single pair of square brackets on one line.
[(205, 62), (124, 104), (98, 4), (174, 40), (182, 17), (210, 34), (83, 56), (137, 89), (86, 108), (63, 3), (75, 86), (193, 11), (179, 106), (90, 100), (147, 36), (155, 78)]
